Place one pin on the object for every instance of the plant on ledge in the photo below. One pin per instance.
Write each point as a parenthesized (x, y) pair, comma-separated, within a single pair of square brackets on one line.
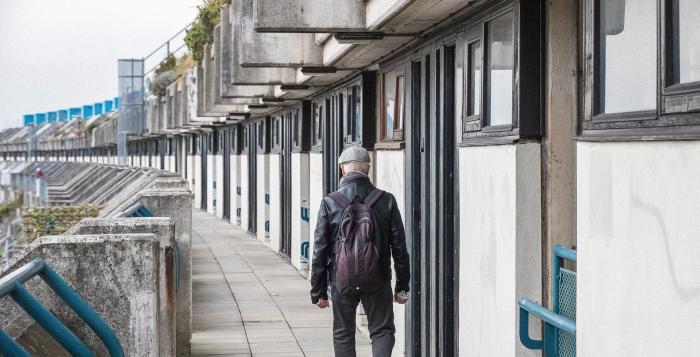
[(201, 31)]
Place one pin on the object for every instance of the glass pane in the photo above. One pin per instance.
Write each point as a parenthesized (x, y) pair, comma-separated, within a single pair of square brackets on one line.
[(686, 31), (500, 66), (398, 123), (357, 126), (627, 56), (474, 78), (389, 105), (349, 118)]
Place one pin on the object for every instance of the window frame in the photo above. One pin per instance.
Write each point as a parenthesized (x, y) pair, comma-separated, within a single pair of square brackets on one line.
[(400, 73), (528, 86), (300, 119), (318, 108), (668, 120), (276, 132), (263, 131)]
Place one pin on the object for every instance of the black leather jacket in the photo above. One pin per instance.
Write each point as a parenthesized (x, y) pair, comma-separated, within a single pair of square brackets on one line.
[(389, 235)]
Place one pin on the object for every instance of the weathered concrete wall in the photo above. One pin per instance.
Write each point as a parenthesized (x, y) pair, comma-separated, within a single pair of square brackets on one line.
[(500, 239), (126, 274), (390, 173), (558, 148), (241, 23), (164, 230), (309, 15), (274, 49), (637, 207)]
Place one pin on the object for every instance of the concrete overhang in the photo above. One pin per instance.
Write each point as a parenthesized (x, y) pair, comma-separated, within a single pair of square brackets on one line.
[(400, 22), (228, 40), (210, 102), (272, 49), (309, 15)]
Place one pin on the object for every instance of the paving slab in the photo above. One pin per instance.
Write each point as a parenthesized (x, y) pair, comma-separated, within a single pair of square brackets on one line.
[(248, 302)]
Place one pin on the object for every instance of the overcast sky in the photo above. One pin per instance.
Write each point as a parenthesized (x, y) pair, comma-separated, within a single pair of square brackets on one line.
[(55, 54)]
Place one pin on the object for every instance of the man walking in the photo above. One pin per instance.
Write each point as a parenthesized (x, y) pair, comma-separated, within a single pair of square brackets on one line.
[(359, 229)]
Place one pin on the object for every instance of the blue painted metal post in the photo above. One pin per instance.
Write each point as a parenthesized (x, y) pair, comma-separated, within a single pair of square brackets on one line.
[(72, 299), (109, 106), (116, 103), (51, 324), (97, 109), (8, 347)]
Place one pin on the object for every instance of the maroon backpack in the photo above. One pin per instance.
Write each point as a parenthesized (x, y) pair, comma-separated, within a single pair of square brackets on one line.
[(356, 253)]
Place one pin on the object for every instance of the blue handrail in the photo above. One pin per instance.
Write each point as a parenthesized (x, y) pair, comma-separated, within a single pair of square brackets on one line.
[(137, 210), (553, 320), (12, 285)]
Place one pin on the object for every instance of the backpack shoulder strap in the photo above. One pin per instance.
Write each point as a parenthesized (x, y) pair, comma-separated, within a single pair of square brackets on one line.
[(340, 199), (373, 197)]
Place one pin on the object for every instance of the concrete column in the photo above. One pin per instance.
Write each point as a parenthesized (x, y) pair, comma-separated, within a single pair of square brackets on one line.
[(558, 148)]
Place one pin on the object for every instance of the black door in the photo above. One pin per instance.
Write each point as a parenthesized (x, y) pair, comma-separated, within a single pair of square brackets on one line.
[(204, 145), (225, 141), (286, 183), (252, 177), (432, 310)]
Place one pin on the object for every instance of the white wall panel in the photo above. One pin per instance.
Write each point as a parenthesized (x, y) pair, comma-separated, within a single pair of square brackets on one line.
[(500, 239), (389, 170), (637, 233), (219, 207)]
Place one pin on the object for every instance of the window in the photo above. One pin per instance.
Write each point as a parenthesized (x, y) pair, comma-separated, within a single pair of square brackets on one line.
[(627, 56), (685, 41), (393, 108), (500, 70), (296, 125), (353, 117), (643, 68), (474, 78), (317, 120)]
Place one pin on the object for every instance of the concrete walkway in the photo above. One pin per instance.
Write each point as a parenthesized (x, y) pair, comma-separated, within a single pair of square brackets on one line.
[(248, 302)]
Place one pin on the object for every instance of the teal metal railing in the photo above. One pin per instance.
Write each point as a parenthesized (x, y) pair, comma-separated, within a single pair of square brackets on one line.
[(137, 210), (13, 285), (560, 322)]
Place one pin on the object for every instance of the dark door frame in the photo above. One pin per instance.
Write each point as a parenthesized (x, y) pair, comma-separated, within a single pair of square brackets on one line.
[(286, 184), (432, 228), (252, 175), (225, 149), (204, 145)]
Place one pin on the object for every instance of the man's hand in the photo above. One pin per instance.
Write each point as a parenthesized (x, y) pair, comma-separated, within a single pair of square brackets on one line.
[(322, 303), (400, 299)]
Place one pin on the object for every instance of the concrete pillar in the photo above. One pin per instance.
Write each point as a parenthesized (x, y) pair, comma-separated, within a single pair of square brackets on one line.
[(558, 147), (164, 230)]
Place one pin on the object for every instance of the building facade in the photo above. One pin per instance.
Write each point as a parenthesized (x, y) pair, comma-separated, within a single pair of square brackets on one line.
[(503, 128)]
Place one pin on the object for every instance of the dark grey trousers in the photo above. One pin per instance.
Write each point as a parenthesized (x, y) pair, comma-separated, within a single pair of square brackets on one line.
[(380, 316)]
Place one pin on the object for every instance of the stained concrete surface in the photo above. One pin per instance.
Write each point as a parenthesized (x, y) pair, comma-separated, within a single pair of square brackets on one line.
[(247, 301)]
